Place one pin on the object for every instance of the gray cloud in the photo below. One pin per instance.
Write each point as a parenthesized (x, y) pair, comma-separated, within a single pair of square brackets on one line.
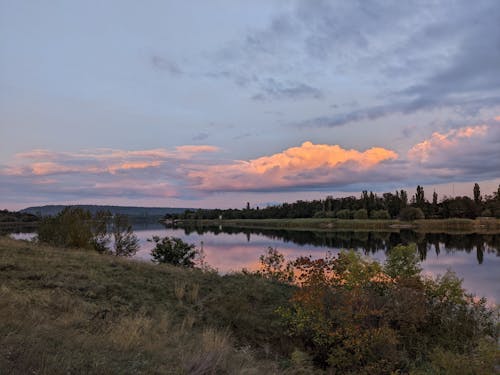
[(272, 89), (201, 136), (162, 63)]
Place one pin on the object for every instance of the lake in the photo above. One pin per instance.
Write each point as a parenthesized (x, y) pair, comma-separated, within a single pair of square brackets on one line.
[(473, 257)]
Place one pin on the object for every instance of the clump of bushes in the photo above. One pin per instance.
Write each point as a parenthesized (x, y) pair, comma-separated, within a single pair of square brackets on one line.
[(352, 315), (74, 227), (411, 213), (174, 251)]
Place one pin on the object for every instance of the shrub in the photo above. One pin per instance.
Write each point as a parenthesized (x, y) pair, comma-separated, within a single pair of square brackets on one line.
[(273, 266), (77, 228), (361, 214), (411, 213), (380, 215), (355, 316), (344, 214), (174, 251), (126, 242), (70, 228)]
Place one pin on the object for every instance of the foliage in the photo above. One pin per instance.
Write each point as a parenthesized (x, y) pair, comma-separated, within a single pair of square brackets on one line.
[(346, 207), (380, 215), (174, 251), (274, 267), (74, 227), (17, 217), (355, 316), (403, 262), (361, 214), (411, 213), (344, 214), (126, 242)]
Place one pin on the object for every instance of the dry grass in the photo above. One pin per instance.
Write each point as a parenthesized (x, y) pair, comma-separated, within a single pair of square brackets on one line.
[(70, 311)]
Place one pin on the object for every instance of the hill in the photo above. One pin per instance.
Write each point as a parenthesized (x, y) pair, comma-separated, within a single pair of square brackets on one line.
[(92, 314), (142, 212)]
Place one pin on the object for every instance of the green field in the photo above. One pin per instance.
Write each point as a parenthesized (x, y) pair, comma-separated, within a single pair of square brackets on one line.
[(79, 312)]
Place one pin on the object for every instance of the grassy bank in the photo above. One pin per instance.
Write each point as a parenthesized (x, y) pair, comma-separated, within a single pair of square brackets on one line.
[(486, 226), (79, 312)]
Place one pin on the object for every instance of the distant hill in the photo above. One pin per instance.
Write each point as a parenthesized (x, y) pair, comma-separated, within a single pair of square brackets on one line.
[(137, 212)]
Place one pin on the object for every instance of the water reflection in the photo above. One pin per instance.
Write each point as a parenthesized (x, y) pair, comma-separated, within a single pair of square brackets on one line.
[(371, 242), (474, 257)]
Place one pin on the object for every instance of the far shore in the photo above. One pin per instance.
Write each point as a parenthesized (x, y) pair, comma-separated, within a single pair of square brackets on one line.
[(479, 225)]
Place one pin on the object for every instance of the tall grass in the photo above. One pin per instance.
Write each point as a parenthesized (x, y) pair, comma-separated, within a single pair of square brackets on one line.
[(72, 311)]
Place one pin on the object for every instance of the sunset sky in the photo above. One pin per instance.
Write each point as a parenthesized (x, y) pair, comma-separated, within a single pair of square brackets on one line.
[(216, 103)]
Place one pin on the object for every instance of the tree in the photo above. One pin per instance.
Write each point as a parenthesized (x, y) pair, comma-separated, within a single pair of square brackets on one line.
[(361, 214), (477, 193), (403, 261), (126, 242), (411, 213), (174, 251), (419, 197), (69, 228)]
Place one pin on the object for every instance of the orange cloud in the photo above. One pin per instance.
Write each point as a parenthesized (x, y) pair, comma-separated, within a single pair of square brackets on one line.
[(45, 168), (134, 165), (41, 162), (497, 118), (195, 149), (437, 142), (307, 164)]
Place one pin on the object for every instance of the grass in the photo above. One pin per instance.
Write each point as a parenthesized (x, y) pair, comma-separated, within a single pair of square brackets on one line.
[(71, 311), (480, 225)]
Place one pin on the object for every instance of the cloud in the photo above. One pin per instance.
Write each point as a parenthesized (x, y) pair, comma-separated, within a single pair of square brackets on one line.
[(410, 57), (200, 136), (195, 149), (463, 154), (272, 89), (165, 64), (132, 174), (308, 165)]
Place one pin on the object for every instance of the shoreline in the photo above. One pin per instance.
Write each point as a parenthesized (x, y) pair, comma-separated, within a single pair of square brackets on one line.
[(480, 226)]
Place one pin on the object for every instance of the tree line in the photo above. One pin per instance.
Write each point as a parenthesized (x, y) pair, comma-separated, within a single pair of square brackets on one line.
[(396, 205)]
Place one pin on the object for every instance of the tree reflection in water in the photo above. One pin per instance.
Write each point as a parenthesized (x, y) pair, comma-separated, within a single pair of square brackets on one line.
[(370, 242)]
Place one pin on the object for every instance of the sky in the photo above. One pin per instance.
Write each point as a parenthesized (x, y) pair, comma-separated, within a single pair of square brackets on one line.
[(218, 103)]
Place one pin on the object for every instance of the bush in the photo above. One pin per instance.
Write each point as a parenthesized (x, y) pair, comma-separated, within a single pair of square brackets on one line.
[(72, 227), (361, 214), (355, 316), (126, 242), (174, 251), (344, 214), (411, 213), (380, 215), (77, 228), (274, 267)]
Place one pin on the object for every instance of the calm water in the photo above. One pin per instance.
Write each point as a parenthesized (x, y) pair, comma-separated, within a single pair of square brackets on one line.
[(475, 258)]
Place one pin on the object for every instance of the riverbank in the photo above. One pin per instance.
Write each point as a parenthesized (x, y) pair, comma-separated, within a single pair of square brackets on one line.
[(480, 225), (75, 311)]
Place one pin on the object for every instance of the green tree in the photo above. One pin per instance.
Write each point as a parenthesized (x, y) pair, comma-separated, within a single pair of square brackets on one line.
[(403, 261), (477, 193), (420, 197), (72, 227), (174, 251), (411, 213), (361, 214)]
